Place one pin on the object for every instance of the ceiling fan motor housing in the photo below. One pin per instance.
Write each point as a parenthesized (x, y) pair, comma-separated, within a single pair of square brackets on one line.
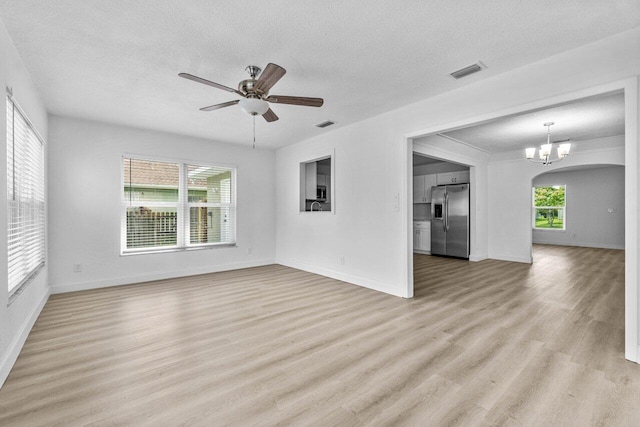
[(249, 87)]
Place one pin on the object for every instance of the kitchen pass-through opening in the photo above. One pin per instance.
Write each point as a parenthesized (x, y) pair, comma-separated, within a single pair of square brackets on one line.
[(316, 185)]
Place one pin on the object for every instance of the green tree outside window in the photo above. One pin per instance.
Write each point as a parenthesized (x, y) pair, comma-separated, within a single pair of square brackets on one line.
[(549, 207)]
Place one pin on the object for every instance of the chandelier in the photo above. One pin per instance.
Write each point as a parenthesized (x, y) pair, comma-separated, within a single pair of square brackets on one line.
[(545, 149)]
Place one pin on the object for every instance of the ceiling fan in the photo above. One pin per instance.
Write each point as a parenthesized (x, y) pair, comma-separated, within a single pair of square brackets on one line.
[(255, 92)]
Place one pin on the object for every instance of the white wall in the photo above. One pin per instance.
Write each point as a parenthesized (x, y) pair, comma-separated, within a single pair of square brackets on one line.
[(510, 184), (594, 208), (17, 318), (85, 198), (373, 166), (365, 216)]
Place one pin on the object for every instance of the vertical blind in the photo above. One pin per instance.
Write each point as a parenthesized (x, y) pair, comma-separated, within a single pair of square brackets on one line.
[(25, 198), (172, 205)]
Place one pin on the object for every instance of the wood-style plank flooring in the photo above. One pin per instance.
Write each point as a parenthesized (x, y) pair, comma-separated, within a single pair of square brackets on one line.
[(488, 343)]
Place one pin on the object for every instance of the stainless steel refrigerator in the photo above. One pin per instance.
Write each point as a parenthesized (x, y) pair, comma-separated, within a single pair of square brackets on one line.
[(450, 220)]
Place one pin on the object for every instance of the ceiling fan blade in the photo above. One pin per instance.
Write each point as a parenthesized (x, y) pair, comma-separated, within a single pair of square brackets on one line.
[(270, 116), (269, 77), (209, 83), (296, 100), (218, 106)]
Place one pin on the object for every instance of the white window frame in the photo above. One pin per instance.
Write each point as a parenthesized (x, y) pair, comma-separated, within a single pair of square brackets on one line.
[(562, 208), (182, 205), (33, 261)]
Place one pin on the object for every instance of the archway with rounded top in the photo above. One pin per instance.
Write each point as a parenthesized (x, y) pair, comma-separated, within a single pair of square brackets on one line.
[(580, 205)]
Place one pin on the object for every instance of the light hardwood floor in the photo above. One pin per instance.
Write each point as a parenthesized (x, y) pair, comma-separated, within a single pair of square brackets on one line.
[(488, 343)]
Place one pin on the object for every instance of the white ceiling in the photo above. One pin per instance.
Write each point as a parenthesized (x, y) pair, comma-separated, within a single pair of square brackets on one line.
[(589, 118), (419, 160), (117, 61)]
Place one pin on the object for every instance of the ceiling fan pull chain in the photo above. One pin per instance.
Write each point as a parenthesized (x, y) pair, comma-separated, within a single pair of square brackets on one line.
[(254, 131)]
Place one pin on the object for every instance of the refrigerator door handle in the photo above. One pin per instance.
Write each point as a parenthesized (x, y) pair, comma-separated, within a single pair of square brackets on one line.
[(445, 222)]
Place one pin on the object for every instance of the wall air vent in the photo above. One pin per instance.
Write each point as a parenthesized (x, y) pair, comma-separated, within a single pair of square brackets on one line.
[(325, 124), (466, 71)]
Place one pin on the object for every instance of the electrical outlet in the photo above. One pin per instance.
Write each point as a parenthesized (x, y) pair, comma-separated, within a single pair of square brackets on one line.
[(249, 251), (342, 260), (77, 268)]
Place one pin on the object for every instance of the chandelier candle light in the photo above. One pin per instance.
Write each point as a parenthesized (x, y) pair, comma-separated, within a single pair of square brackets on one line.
[(545, 149)]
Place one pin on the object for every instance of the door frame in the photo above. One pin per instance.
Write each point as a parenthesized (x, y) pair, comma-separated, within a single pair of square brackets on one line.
[(632, 163)]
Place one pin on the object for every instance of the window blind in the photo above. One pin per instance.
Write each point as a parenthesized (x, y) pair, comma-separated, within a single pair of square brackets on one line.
[(175, 205), (25, 198)]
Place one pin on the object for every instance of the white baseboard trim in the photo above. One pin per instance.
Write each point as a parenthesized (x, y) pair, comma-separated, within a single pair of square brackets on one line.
[(472, 258), (13, 351), (345, 277), (634, 357), (147, 277), (500, 257), (583, 245), (478, 257)]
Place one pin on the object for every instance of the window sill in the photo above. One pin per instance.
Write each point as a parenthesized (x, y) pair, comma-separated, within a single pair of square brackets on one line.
[(551, 229), (17, 291), (171, 250)]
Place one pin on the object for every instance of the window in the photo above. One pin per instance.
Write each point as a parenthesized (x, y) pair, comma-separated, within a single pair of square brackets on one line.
[(549, 208), (175, 205), (25, 198)]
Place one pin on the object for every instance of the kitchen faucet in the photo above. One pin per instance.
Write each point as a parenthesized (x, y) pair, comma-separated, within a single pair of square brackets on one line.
[(319, 206)]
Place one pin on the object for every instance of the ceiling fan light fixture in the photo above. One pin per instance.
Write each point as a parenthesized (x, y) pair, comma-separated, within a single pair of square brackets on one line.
[(254, 106)]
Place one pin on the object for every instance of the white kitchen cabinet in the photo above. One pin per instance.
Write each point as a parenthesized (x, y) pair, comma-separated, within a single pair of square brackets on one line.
[(422, 236), (311, 180), (422, 188), (418, 189), (460, 177)]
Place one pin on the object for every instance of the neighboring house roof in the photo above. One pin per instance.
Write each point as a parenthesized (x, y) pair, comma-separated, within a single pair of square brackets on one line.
[(163, 174)]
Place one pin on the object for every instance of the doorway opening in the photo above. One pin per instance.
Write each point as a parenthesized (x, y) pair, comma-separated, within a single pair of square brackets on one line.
[(501, 221), (440, 207), (579, 206)]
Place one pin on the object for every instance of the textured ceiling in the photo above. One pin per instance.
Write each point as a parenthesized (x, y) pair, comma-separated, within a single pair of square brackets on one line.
[(588, 118), (117, 61)]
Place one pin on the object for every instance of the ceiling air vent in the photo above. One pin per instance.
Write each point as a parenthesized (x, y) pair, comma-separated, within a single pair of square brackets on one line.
[(325, 124), (466, 71)]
